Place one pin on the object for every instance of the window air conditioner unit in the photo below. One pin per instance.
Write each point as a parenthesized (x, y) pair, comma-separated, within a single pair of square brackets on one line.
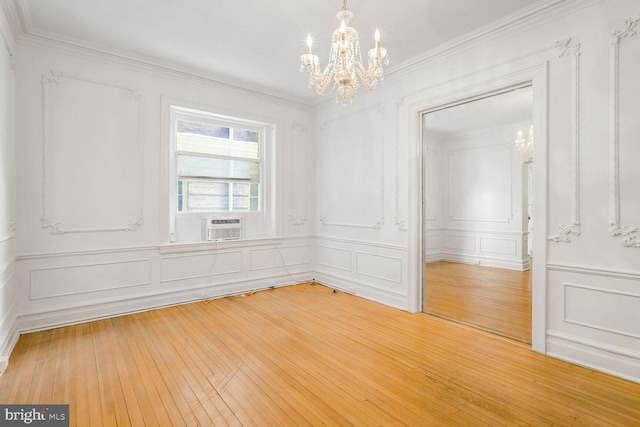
[(215, 229)]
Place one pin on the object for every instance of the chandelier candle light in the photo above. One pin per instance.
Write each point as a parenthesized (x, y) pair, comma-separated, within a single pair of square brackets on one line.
[(345, 66)]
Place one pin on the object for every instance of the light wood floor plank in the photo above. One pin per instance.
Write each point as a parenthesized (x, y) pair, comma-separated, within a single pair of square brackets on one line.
[(303, 355)]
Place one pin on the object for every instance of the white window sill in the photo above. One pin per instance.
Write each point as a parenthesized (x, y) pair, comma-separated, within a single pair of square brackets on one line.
[(175, 248)]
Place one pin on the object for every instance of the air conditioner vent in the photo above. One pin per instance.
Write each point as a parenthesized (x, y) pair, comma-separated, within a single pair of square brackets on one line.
[(215, 229)]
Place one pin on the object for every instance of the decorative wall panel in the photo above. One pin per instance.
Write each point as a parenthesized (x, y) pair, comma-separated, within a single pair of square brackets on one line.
[(625, 87), (297, 181), (572, 51), (480, 184), (85, 278), (359, 168), (92, 158)]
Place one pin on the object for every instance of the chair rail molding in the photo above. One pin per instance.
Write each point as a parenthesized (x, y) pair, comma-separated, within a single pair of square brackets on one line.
[(572, 51), (629, 234)]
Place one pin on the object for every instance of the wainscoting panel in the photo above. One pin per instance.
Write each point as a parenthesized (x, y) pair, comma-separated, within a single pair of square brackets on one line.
[(265, 259), (77, 279), (379, 267), (499, 246), (66, 288), (618, 312), (589, 307), (185, 267), (502, 249), (333, 258), (459, 242), (372, 270)]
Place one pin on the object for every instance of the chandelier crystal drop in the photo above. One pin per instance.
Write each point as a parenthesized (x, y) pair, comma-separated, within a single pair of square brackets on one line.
[(345, 69), (524, 145)]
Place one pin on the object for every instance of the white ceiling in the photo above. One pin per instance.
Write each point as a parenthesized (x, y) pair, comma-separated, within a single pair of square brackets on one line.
[(254, 43)]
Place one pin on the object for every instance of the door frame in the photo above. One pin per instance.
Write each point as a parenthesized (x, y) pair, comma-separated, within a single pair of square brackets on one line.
[(531, 71)]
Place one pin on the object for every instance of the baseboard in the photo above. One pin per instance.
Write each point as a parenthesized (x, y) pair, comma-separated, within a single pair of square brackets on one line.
[(389, 298), (611, 360), (9, 339), (487, 262)]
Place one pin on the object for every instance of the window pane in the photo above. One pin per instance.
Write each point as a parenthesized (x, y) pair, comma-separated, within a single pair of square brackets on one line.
[(199, 128), (240, 196), (253, 198), (215, 140), (246, 135), (245, 197), (199, 196), (207, 167)]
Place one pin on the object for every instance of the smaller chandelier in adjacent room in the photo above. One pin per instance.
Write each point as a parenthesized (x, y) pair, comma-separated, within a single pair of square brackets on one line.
[(345, 67), (524, 145)]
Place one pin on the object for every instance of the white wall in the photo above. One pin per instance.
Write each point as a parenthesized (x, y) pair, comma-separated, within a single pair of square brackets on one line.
[(93, 217), (8, 285), (475, 214), (586, 280)]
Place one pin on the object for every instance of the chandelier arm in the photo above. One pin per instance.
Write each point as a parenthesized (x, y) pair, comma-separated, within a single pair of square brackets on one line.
[(321, 80)]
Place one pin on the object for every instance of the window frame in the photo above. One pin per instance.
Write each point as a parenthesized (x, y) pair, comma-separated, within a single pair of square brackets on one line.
[(265, 160)]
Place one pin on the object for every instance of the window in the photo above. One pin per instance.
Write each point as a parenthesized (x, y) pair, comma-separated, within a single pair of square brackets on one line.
[(219, 163)]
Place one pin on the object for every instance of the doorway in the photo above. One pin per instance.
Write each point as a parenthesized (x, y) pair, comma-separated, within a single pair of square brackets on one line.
[(478, 213)]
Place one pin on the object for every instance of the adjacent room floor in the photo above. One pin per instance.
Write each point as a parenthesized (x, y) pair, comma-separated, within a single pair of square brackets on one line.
[(494, 299)]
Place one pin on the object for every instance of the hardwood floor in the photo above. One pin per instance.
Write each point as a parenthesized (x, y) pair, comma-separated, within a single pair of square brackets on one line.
[(494, 299), (303, 355)]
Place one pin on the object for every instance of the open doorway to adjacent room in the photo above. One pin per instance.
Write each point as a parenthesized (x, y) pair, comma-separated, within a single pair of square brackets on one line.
[(478, 213)]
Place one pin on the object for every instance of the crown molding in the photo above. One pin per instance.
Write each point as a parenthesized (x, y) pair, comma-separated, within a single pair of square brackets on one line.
[(24, 33), (530, 17), (518, 22)]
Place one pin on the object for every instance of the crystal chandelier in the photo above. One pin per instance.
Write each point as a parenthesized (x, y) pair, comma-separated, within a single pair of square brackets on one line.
[(345, 66), (524, 145)]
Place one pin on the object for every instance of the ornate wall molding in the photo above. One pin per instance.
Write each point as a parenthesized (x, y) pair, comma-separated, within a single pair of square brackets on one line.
[(375, 226), (378, 219), (629, 235), (8, 47), (54, 226), (298, 217), (298, 220), (397, 221), (572, 51)]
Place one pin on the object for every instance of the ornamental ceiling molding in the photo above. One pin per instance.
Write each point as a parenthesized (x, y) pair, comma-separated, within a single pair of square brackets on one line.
[(57, 227), (571, 51), (630, 238)]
